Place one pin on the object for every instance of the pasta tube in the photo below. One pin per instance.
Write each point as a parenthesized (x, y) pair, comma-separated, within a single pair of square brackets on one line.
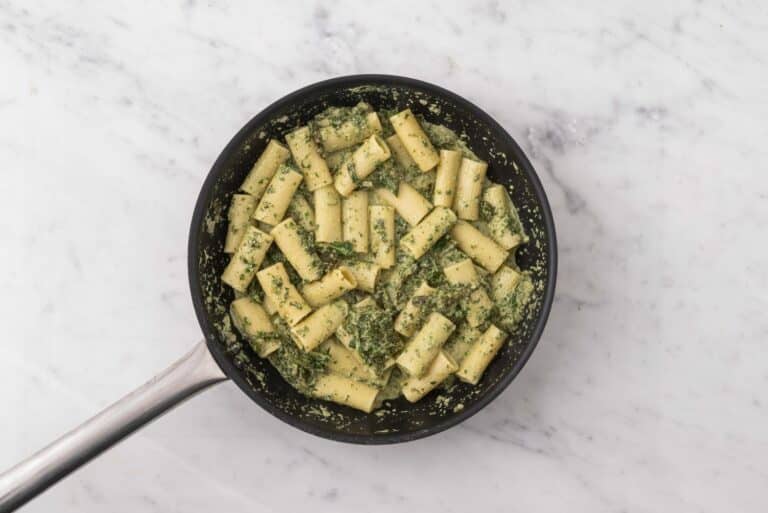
[(446, 176), (480, 355), (350, 132), (301, 211), (400, 153), (408, 319), (480, 248), (441, 367), (269, 305), (307, 157), (239, 217), (327, 214), (382, 231), (346, 362), (319, 325), (479, 305), (264, 169), (254, 324), (503, 282), (461, 273), (331, 286), (415, 140), (360, 164), (411, 205), (354, 216), (281, 293), (500, 223), (424, 346), (365, 274), (469, 185), (297, 251), (425, 234), (271, 209), (459, 344), (248, 256), (345, 391)]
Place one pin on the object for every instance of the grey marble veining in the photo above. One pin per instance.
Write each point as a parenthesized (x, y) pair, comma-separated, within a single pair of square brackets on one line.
[(646, 122)]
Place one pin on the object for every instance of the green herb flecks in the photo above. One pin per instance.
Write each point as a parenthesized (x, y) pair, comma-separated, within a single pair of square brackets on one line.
[(373, 335), (334, 252), (299, 368)]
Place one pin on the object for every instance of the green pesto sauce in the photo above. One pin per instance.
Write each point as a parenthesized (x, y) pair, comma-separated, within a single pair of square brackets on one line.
[(511, 310), (510, 218)]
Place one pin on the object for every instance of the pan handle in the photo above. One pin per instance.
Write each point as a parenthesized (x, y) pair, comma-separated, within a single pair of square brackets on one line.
[(191, 374)]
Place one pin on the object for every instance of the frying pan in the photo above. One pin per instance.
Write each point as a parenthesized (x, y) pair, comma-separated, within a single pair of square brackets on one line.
[(225, 355)]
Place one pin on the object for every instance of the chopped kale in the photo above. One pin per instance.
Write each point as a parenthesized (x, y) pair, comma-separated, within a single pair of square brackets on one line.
[(373, 335), (387, 176), (273, 256), (299, 368), (334, 252)]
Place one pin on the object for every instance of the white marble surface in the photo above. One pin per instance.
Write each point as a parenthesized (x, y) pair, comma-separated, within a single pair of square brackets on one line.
[(647, 123)]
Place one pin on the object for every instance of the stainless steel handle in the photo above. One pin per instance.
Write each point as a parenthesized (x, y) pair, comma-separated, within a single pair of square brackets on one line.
[(191, 374)]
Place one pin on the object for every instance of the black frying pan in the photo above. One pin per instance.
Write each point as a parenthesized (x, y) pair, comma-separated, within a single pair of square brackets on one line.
[(399, 420)]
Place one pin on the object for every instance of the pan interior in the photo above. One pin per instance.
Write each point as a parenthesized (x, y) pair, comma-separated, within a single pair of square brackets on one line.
[(398, 420)]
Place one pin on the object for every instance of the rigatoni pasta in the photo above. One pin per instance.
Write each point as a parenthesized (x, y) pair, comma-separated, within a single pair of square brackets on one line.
[(264, 169), (271, 209), (480, 355), (318, 326), (399, 152), (252, 320), (424, 346), (327, 214), (331, 286), (414, 140), (345, 363), (239, 217), (303, 258), (360, 164), (409, 317), (307, 157), (340, 127), (481, 248), (411, 205), (346, 391), (246, 259), (425, 234), (282, 293), (445, 180), (382, 233), (469, 186), (354, 220), (366, 274), (479, 305), (424, 258), (461, 341), (441, 367), (503, 222), (301, 211), (503, 282)]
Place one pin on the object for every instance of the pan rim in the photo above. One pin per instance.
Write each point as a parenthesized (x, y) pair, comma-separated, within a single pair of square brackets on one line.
[(226, 364)]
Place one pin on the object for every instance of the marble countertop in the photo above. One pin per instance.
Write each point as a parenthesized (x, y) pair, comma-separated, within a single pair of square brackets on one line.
[(646, 121)]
